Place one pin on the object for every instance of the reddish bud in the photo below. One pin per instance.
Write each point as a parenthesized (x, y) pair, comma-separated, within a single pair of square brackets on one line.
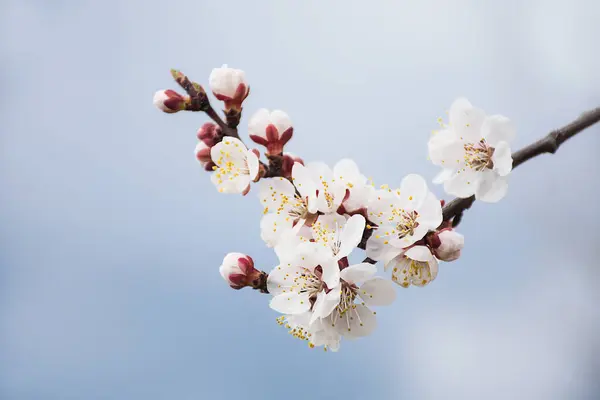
[(238, 271), (169, 101)]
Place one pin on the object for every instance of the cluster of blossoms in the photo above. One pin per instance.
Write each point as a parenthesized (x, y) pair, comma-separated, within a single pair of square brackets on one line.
[(315, 216)]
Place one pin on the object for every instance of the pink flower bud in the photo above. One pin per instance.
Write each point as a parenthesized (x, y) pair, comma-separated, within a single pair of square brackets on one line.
[(210, 134), (450, 245), (229, 85), (270, 129), (169, 101), (238, 270), (203, 153), (288, 163)]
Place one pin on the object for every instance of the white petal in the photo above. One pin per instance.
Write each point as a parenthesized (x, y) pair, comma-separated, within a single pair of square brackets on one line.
[(273, 228), (281, 121), (346, 170), (413, 191), (302, 180), (290, 303), (463, 184), (325, 303), (253, 164), (351, 235), (258, 123), (377, 292), (502, 159), (492, 188), (446, 149), (331, 273), (430, 213), (497, 128), (380, 206), (443, 176), (276, 193), (362, 321), (419, 253), (466, 120), (358, 272)]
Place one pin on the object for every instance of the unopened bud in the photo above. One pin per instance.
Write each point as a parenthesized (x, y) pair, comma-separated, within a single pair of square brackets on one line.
[(270, 129), (450, 245), (210, 134), (229, 85), (238, 271), (203, 153), (169, 101)]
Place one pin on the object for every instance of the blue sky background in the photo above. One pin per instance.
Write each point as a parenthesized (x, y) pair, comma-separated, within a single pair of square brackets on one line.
[(111, 234)]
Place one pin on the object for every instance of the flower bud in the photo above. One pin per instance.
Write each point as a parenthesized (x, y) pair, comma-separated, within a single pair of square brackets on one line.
[(203, 154), (229, 85), (450, 245), (169, 101), (210, 134), (288, 163), (270, 129), (238, 270)]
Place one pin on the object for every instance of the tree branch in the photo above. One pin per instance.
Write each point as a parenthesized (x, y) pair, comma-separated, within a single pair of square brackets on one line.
[(549, 144)]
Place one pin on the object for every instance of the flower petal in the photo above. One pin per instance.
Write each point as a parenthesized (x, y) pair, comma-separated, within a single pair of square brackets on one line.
[(302, 180), (446, 149), (419, 253), (358, 272), (357, 321), (273, 227), (253, 164), (430, 213), (331, 273), (443, 176), (413, 191), (492, 188), (325, 304), (351, 235), (466, 120), (497, 128), (258, 123), (502, 159), (463, 183), (281, 121), (377, 292), (290, 303)]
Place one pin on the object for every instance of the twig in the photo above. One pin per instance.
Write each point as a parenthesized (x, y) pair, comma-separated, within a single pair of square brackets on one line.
[(549, 144), (199, 102)]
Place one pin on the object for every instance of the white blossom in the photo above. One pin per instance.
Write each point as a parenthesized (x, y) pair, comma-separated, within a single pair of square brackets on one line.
[(402, 217), (305, 280), (235, 166), (416, 266), (474, 152), (270, 129)]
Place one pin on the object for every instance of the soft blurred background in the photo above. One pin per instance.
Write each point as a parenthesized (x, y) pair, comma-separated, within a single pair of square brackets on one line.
[(111, 233)]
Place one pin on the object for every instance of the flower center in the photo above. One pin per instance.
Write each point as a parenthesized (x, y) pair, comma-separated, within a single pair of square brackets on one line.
[(407, 224), (478, 156)]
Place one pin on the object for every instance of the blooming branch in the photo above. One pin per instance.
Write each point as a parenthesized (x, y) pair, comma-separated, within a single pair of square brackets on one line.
[(453, 211), (314, 216)]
